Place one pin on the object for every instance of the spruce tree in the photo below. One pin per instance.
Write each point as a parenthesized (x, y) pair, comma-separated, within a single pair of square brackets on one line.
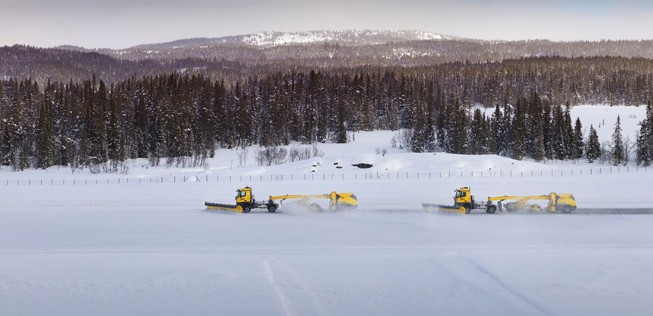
[(476, 137), (418, 140), (518, 148), (618, 156), (642, 154), (539, 153), (568, 133), (442, 127), (559, 140), (341, 131), (492, 133), (577, 140), (429, 131), (593, 147), (648, 135)]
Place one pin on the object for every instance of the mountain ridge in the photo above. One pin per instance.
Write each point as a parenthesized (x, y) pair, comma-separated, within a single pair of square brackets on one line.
[(277, 38)]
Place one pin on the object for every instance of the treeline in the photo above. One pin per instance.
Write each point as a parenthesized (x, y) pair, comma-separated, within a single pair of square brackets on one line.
[(379, 52), (180, 119), (581, 80), (531, 128)]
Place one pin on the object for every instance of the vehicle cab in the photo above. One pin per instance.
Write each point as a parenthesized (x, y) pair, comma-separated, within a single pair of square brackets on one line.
[(244, 195)]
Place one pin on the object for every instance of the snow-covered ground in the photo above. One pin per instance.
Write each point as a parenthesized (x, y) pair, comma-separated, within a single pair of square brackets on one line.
[(143, 243)]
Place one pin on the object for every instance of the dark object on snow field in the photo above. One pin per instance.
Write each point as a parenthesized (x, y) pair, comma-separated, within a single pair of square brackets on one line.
[(362, 165)]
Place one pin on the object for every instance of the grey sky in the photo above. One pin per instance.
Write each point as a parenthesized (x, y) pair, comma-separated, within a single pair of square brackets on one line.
[(124, 23)]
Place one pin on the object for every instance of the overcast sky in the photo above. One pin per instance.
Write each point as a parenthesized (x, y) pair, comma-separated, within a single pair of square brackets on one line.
[(124, 23)]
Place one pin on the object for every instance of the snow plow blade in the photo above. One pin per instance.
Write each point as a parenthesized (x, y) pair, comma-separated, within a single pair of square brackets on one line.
[(223, 207), (443, 208)]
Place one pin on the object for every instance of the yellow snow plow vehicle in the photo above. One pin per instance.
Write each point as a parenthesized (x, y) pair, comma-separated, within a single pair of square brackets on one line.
[(245, 201), (464, 203)]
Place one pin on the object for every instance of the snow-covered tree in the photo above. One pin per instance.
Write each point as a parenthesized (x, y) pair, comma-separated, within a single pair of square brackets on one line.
[(617, 144), (593, 147), (577, 140)]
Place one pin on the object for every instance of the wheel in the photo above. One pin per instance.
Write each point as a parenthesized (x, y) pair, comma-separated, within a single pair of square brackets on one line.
[(491, 209), (567, 209), (246, 209), (272, 208), (316, 207), (467, 209)]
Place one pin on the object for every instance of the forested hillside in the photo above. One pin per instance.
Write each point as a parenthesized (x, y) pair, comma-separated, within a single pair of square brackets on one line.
[(238, 58)]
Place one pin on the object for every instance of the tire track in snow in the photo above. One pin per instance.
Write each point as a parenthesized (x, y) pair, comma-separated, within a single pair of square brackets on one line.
[(472, 272), (269, 275), (318, 308)]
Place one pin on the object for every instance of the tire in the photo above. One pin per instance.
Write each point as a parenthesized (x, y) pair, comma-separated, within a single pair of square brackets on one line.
[(246, 209), (567, 209), (316, 207), (491, 209), (272, 208), (467, 209)]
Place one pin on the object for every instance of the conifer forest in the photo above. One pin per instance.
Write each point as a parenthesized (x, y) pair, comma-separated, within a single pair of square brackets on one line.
[(182, 117)]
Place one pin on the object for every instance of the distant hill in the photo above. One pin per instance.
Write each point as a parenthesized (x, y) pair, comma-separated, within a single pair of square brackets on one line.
[(319, 49), (268, 39), (264, 52)]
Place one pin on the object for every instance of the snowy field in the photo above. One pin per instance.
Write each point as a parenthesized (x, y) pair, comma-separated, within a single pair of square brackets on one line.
[(140, 246)]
